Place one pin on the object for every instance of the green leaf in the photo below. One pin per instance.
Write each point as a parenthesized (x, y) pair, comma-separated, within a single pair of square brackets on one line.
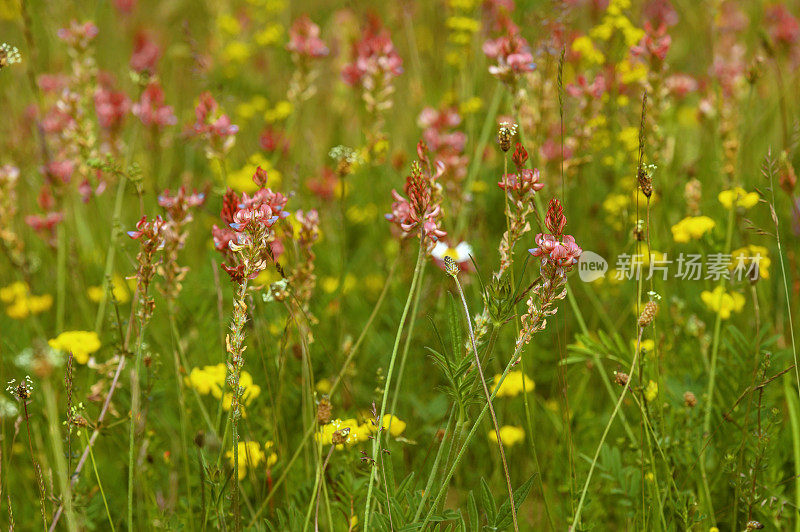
[(487, 501)]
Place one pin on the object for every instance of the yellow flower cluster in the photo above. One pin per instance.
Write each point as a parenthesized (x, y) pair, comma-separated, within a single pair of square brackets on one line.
[(118, 287), (241, 180), (471, 105), (692, 228), (462, 25), (361, 214), (651, 391), (358, 432), (752, 256), (723, 302), (250, 454), (211, 380), (20, 303), (616, 23), (511, 435), (80, 343), (737, 197), (513, 384), (584, 46)]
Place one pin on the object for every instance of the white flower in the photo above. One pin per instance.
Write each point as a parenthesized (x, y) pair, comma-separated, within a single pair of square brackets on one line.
[(9, 55), (460, 254)]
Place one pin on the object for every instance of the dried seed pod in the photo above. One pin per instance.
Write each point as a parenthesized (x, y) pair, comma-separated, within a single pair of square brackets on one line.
[(324, 409), (340, 436), (689, 399), (648, 314)]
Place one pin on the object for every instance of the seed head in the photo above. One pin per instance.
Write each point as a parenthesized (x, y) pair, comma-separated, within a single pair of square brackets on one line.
[(648, 314), (505, 134), (324, 409), (450, 266), (340, 436), (689, 399), (9, 55), (21, 390)]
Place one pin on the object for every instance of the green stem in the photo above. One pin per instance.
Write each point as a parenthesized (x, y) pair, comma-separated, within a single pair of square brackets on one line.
[(310, 431), (712, 378), (446, 481), (435, 466), (407, 344), (376, 442), (577, 517), (135, 399), (489, 404), (99, 484)]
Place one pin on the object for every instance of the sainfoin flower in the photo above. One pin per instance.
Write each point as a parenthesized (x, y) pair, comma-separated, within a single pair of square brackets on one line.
[(375, 59), (304, 39), (248, 239), (564, 252), (512, 54), (151, 110), (421, 210)]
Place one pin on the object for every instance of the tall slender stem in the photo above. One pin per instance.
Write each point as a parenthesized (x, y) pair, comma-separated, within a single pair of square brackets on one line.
[(577, 517), (488, 402), (376, 442)]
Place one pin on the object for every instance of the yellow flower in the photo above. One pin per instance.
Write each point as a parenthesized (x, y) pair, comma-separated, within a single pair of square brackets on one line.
[(646, 345), (723, 302), (272, 457), (236, 52), (651, 391), (80, 343), (210, 379), (465, 24), (118, 286), (229, 24), (356, 432), (631, 72), (329, 284), (270, 35), (738, 197), (24, 306), (471, 106), (281, 111), (323, 386), (512, 384), (751, 256), (267, 277), (374, 282), (479, 187), (584, 46), (395, 425), (692, 228), (358, 214), (12, 292), (249, 455), (511, 435), (242, 180), (247, 110), (629, 137)]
